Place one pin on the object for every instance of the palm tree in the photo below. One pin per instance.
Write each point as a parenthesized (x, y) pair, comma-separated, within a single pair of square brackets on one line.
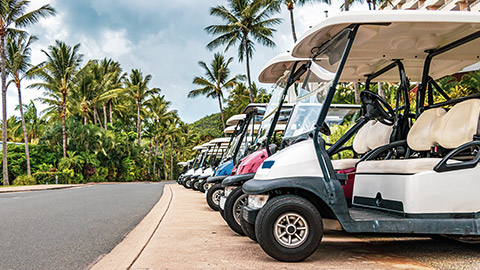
[(58, 74), (246, 21), (159, 113), (138, 90), (13, 14), (290, 5), (35, 124), (215, 80), (18, 53)]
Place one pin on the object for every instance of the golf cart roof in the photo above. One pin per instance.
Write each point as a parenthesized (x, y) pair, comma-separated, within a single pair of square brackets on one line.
[(276, 67), (390, 35), (198, 147), (253, 106), (232, 121), (182, 163), (220, 140)]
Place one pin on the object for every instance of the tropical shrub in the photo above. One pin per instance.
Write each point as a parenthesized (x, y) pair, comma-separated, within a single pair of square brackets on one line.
[(24, 180)]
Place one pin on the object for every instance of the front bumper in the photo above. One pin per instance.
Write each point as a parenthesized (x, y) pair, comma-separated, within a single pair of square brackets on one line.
[(216, 179), (237, 180), (250, 214)]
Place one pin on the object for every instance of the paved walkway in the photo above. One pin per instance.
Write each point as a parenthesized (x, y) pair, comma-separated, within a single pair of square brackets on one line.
[(191, 235)]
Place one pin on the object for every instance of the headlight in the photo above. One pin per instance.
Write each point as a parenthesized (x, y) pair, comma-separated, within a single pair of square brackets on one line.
[(229, 190), (257, 201)]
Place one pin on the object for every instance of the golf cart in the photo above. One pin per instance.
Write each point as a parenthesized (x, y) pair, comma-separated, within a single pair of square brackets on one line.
[(200, 166), (430, 188), (217, 153), (277, 72), (186, 176), (186, 166), (247, 127)]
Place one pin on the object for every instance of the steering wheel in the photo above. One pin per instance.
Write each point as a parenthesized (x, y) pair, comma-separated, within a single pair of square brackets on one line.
[(377, 107)]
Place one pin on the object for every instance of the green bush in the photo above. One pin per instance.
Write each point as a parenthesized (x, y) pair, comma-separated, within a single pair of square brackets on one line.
[(25, 180)]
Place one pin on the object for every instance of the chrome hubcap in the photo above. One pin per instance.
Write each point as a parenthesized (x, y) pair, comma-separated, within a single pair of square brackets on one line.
[(291, 230), (237, 207), (216, 196)]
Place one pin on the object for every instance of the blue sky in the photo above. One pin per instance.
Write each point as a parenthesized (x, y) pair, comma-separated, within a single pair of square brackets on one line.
[(162, 38)]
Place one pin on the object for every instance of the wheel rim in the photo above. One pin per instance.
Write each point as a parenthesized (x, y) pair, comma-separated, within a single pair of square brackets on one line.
[(205, 186), (187, 183), (291, 230), (216, 196), (195, 185), (237, 207)]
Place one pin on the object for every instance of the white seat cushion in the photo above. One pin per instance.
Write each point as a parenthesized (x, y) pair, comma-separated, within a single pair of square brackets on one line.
[(342, 164), (398, 166)]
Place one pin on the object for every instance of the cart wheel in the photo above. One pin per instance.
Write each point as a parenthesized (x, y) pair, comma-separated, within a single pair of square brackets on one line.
[(187, 183), (213, 196), (201, 186), (234, 203), (195, 184), (289, 228), (247, 228)]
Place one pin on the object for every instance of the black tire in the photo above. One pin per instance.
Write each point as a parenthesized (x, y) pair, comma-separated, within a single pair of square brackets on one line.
[(187, 183), (247, 228), (231, 213), (213, 196), (287, 208), (195, 184), (203, 186), (222, 213)]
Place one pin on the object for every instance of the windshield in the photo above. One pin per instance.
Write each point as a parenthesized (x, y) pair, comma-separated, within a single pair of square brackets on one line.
[(272, 107), (307, 108)]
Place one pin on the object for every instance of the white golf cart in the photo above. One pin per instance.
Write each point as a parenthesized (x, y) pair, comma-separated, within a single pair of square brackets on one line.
[(431, 187)]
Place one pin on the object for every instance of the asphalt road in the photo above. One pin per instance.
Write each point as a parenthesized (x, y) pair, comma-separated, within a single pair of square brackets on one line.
[(70, 228)]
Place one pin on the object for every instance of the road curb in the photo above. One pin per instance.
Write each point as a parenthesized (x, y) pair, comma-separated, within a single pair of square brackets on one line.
[(124, 255), (33, 188)]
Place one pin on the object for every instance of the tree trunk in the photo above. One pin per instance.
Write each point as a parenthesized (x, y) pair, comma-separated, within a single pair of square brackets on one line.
[(155, 139), (105, 115), (64, 132), (4, 107), (164, 160), (250, 93), (171, 160), (357, 92), (221, 112), (347, 5), (139, 131), (110, 111), (94, 115), (292, 21), (24, 126), (84, 117)]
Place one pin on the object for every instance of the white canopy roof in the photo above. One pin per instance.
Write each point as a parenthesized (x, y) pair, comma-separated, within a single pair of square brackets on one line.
[(232, 121), (252, 106), (229, 129), (276, 67), (404, 35), (220, 140), (198, 147)]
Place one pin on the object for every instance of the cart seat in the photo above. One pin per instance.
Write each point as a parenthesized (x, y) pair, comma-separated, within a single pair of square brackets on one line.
[(346, 163), (397, 166), (434, 127), (372, 135)]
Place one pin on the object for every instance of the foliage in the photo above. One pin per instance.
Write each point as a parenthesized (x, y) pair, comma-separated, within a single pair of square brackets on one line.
[(24, 180)]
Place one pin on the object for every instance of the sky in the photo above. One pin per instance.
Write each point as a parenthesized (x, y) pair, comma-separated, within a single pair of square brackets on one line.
[(163, 38)]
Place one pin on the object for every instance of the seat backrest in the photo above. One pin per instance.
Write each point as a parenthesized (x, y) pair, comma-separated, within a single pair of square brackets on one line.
[(436, 127), (420, 137), (372, 135)]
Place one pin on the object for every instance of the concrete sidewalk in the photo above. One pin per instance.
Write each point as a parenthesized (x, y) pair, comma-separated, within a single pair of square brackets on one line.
[(188, 234), (8, 189)]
